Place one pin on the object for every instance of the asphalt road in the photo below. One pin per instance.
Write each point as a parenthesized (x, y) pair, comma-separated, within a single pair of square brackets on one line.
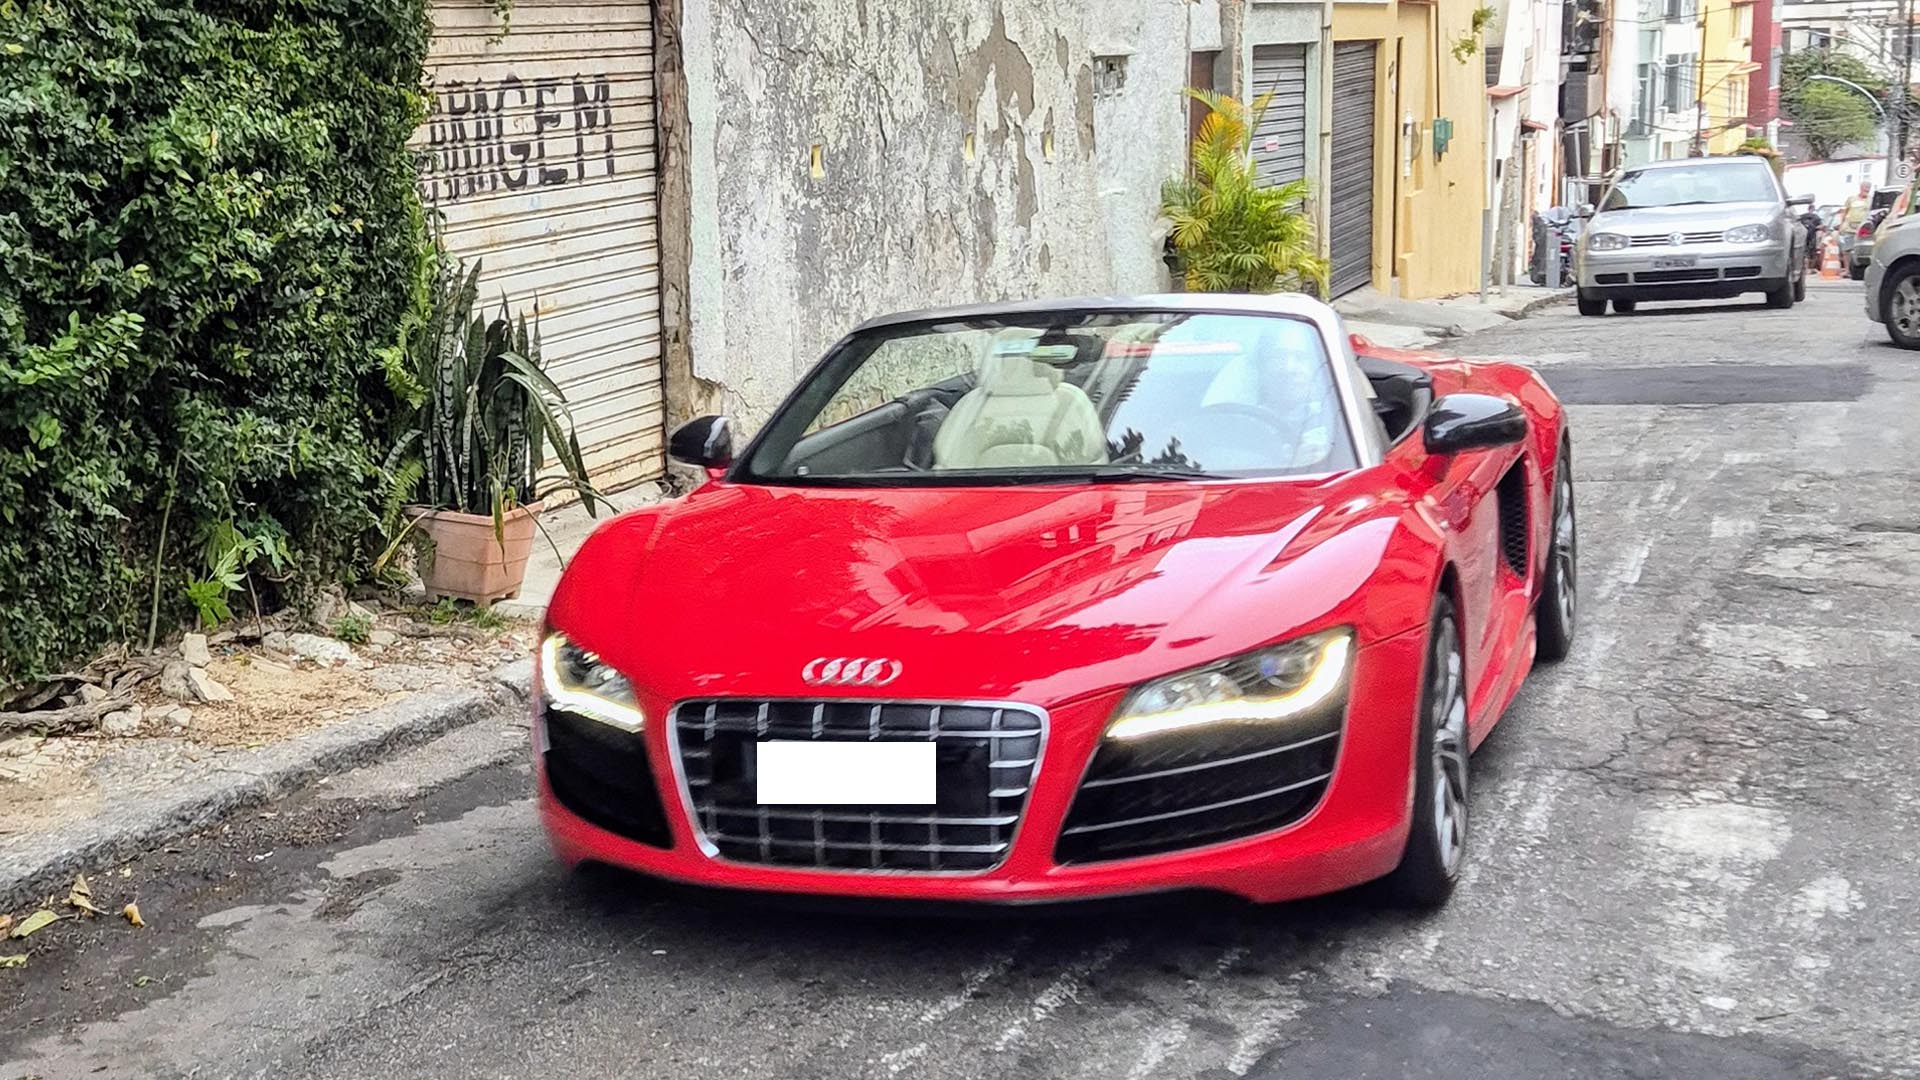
[(1693, 850)]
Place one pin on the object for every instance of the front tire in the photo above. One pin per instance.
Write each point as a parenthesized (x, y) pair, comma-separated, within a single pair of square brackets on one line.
[(1590, 305), (1800, 285), (1782, 297), (1554, 613), (1436, 842), (1900, 307), (1625, 307)]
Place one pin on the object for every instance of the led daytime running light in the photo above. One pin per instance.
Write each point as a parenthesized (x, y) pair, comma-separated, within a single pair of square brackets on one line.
[(1329, 671), (561, 694)]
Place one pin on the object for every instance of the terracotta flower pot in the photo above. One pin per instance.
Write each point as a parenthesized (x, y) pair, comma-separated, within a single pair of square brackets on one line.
[(469, 562)]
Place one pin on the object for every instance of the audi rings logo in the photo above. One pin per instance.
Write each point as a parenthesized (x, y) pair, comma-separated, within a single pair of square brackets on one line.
[(850, 671)]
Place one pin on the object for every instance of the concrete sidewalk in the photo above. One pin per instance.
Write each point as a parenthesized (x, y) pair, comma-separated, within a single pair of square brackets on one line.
[(1414, 324)]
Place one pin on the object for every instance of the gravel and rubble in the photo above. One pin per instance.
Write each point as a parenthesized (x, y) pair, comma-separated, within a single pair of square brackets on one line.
[(134, 747)]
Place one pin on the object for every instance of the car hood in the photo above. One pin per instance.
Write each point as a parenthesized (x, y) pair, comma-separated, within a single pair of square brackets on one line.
[(1032, 593), (1699, 218)]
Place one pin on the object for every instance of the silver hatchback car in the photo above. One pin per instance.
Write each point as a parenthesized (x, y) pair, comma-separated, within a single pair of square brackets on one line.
[(1692, 229)]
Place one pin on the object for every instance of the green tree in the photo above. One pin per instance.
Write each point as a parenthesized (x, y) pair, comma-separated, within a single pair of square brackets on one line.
[(1229, 232), (1831, 117)]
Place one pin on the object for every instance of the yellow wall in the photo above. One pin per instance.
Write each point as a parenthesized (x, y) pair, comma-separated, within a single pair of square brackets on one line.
[(1726, 43), (1426, 216)]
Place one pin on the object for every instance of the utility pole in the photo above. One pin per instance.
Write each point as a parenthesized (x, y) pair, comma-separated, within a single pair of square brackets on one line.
[(1905, 80), (1700, 82)]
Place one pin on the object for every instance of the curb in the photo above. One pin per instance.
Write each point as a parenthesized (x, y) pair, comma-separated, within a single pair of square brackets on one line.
[(239, 781), (1559, 296)]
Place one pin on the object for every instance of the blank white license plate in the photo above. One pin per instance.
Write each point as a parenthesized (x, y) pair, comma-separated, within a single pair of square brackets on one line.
[(1675, 262), (845, 773)]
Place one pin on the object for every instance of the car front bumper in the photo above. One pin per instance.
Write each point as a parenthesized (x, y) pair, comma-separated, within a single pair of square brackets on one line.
[(1354, 834), (1871, 294), (1716, 270)]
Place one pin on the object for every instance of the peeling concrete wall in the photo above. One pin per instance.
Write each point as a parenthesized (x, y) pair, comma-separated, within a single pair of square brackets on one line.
[(968, 150)]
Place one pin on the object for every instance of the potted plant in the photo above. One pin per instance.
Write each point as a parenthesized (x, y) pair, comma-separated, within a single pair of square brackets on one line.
[(484, 417), (1227, 232)]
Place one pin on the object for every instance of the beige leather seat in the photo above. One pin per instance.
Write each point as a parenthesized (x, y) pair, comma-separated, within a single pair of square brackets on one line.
[(1019, 413)]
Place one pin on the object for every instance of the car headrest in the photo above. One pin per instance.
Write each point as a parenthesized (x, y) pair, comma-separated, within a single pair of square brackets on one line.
[(1013, 375)]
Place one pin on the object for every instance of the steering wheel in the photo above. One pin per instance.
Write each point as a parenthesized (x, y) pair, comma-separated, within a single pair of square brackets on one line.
[(1264, 415)]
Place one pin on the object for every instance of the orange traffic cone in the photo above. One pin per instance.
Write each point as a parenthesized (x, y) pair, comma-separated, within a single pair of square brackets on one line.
[(1830, 258)]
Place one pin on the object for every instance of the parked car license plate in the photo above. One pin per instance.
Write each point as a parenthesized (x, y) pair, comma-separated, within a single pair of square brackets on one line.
[(790, 773), (1674, 262)]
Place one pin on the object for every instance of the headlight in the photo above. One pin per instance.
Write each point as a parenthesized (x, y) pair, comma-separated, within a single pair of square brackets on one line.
[(576, 680), (1266, 686), (1606, 241), (1749, 234)]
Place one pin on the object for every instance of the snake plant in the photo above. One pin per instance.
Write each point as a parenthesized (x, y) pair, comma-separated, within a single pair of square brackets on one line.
[(487, 429)]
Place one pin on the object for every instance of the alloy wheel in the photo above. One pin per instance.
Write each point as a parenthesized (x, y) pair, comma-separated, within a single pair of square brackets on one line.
[(1903, 306), (1564, 548), (1449, 720)]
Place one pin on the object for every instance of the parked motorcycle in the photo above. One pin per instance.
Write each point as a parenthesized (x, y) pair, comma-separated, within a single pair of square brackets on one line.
[(1555, 226)]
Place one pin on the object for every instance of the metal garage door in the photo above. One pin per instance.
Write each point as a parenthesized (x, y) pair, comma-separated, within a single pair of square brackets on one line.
[(1350, 200), (539, 152), (1280, 139)]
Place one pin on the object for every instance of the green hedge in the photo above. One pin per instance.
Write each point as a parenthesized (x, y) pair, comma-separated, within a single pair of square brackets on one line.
[(208, 227)]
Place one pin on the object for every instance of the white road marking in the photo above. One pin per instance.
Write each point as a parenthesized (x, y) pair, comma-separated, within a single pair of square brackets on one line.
[(1173, 1032), (971, 985), (1059, 992), (1263, 1030)]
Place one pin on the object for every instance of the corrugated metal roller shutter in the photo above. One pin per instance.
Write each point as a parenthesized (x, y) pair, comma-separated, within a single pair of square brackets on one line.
[(1350, 203), (540, 155), (1280, 139)]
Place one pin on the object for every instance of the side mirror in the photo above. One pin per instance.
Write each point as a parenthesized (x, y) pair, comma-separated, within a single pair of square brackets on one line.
[(1801, 201), (707, 442), (1586, 209), (1473, 422)]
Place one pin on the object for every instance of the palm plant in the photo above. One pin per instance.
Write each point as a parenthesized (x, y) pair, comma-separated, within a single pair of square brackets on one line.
[(1230, 233)]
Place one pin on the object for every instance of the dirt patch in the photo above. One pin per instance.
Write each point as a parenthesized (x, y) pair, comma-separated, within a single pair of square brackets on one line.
[(274, 701), (49, 780)]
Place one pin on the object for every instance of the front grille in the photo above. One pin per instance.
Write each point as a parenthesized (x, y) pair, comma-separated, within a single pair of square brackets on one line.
[(1654, 277), (601, 774), (984, 761), (1610, 279), (1510, 496), (1666, 239), (1186, 789), (1740, 271)]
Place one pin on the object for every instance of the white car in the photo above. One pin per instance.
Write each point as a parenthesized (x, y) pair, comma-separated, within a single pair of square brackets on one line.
[(1692, 229)]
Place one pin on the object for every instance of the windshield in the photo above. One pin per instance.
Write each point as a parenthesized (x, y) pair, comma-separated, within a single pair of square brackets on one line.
[(1106, 396), (1683, 185)]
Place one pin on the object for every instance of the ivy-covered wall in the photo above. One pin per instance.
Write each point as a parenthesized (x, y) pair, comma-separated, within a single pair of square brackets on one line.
[(208, 230)]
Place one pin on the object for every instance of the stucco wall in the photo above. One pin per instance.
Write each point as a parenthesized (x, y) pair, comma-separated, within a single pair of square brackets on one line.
[(968, 149)]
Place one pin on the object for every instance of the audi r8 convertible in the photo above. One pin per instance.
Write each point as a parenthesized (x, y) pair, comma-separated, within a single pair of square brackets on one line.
[(1066, 600)]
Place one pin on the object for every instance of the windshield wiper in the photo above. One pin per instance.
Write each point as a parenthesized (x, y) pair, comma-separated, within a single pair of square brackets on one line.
[(1126, 475)]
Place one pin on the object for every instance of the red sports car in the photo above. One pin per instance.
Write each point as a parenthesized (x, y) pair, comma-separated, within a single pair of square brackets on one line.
[(1064, 600)]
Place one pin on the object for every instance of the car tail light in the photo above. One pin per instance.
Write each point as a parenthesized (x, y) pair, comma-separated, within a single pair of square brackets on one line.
[(1865, 230)]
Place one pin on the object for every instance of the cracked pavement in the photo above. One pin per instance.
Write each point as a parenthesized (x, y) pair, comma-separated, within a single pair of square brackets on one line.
[(1692, 850)]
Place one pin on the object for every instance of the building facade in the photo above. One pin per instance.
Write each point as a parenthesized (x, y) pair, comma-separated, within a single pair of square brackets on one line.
[(1407, 144), (697, 197)]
